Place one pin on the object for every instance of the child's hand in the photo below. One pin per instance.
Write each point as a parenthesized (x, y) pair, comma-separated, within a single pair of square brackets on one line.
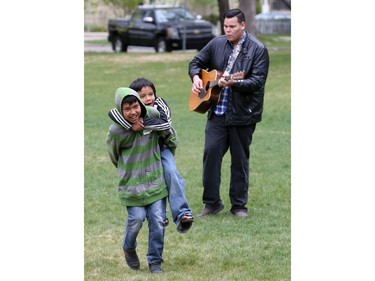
[(138, 126)]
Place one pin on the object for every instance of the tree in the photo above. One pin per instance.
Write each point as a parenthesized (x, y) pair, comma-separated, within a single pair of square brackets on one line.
[(288, 4), (223, 7), (125, 5), (248, 7)]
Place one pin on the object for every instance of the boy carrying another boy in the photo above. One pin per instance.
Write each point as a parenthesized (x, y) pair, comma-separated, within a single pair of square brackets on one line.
[(142, 188), (181, 212)]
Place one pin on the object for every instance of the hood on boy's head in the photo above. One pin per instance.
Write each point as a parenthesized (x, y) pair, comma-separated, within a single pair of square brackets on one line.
[(121, 93)]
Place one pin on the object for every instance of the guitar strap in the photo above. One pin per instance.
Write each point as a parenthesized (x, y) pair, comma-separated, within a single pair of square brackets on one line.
[(221, 106)]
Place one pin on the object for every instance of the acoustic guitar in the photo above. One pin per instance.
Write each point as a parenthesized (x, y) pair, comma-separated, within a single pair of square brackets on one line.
[(210, 94)]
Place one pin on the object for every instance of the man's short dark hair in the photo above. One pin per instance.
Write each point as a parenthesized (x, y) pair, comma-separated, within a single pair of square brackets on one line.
[(235, 13)]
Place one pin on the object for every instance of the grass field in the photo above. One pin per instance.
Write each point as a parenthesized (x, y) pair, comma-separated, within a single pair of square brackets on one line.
[(222, 247)]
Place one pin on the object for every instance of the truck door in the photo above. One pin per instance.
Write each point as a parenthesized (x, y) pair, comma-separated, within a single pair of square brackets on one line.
[(142, 28)]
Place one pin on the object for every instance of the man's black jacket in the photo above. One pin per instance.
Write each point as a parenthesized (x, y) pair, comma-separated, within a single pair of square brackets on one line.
[(245, 103)]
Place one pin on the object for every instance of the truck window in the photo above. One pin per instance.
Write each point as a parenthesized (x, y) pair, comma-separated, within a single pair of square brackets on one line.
[(161, 16), (137, 15), (183, 14)]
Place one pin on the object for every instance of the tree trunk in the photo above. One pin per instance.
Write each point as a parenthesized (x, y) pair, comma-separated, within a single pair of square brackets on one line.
[(288, 4), (248, 7), (223, 7)]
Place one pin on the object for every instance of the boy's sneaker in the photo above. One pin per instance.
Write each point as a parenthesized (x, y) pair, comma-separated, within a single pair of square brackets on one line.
[(185, 224), (155, 268), (131, 259)]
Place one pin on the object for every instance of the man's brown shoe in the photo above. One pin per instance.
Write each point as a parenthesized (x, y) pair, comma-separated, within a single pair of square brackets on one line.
[(208, 211)]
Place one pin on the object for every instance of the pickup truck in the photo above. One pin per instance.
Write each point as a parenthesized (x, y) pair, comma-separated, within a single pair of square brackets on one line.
[(165, 28)]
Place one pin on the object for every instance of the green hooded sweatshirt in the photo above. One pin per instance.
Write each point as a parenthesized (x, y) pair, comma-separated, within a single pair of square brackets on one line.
[(137, 158)]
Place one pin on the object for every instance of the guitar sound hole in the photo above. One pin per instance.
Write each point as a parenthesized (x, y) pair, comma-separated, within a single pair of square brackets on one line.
[(202, 94)]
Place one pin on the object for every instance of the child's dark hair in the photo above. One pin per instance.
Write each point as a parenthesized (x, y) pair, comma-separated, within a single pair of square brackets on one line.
[(129, 99), (139, 83), (235, 13)]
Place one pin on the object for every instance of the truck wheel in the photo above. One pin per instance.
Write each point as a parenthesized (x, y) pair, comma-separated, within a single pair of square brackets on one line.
[(168, 48), (118, 45), (160, 45)]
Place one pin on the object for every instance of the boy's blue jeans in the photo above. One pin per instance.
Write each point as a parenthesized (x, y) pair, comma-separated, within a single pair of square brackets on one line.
[(176, 187), (155, 214)]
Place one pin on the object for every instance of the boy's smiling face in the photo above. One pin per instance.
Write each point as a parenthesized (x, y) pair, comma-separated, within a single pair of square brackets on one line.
[(132, 112), (147, 95)]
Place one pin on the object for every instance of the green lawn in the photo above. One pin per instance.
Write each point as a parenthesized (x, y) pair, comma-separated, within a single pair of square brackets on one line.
[(222, 247)]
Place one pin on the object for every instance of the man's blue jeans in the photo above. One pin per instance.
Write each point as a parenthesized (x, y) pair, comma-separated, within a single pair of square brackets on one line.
[(155, 214), (176, 187)]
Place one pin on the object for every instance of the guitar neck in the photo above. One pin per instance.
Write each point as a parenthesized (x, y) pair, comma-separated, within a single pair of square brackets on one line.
[(216, 82)]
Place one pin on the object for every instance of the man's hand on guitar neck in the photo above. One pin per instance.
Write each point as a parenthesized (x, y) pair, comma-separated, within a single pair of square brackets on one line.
[(226, 81)]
